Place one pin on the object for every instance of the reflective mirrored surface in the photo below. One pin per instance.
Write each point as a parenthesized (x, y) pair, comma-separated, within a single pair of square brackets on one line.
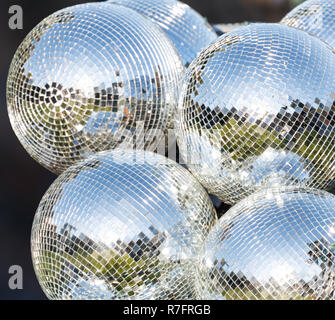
[(257, 109), (316, 17), (186, 28), (89, 78), (276, 244), (121, 225)]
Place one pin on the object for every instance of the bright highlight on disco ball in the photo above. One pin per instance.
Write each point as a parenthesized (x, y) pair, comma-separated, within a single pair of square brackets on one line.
[(316, 17), (186, 28), (122, 224), (275, 244), (88, 78), (257, 109)]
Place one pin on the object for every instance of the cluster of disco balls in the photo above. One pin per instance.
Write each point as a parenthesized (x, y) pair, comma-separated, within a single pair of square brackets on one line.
[(92, 92)]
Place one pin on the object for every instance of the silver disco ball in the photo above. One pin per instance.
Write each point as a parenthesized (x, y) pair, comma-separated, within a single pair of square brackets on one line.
[(88, 78), (257, 109), (275, 244), (122, 224), (317, 17), (186, 28)]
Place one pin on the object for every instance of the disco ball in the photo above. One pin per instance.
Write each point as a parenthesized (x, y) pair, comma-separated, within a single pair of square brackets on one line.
[(257, 109), (186, 28), (275, 244), (88, 78), (122, 224), (317, 17)]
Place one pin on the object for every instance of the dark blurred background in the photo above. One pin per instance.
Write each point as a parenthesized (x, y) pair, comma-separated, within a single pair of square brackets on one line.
[(23, 181)]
